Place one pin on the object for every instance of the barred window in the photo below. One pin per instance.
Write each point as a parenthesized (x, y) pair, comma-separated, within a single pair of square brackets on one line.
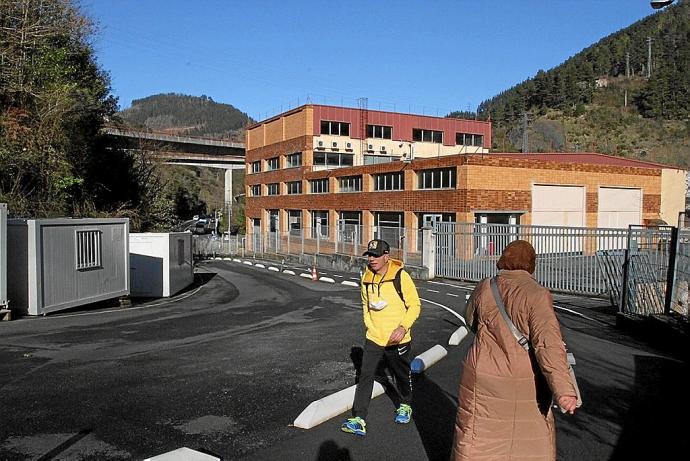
[(438, 178), (319, 186), (427, 135), (294, 187), (272, 163), (256, 167), (351, 184), (256, 190), (335, 128), (374, 159), (295, 222), (88, 249), (389, 181), (293, 160), (272, 189)]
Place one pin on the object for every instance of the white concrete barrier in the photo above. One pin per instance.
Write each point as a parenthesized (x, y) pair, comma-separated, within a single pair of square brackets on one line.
[(426, 359), (236, 260), (326, 279), (273, 268), (326, 408), (260, 265), (305, 275), (289, 272), (350, 283), (183, 454), (249, 263), (457, 336)]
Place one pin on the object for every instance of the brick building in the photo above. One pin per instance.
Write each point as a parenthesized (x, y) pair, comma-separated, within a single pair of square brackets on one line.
[(316, 169)]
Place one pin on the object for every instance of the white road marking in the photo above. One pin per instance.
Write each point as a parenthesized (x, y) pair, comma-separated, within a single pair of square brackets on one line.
[(433, 291), (578, 314), (452, 294), (446, 308)]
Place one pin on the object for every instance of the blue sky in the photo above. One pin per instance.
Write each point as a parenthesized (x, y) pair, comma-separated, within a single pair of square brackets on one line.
[(263, 57)]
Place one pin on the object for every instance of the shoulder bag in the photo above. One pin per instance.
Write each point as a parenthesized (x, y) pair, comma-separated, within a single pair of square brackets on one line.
[(524, 342)]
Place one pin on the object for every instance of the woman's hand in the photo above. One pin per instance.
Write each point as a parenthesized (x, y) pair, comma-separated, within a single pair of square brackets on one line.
[(567, 403)]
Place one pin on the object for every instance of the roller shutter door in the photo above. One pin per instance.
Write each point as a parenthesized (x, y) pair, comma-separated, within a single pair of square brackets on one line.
[(619, 207), (558, 206)]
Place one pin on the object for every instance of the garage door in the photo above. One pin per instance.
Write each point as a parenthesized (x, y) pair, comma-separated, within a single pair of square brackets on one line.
[(619, 207), (558, 206)]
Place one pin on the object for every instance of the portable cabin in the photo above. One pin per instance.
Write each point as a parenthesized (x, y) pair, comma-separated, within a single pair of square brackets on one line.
[(62, 263), (160, 264)]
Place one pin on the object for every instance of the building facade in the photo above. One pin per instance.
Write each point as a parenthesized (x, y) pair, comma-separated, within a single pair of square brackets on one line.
[(342, 175)]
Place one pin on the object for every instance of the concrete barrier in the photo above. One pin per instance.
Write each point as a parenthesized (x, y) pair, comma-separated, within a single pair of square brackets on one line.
[(183, 454), (326, 408), (426, 359), (457, 336)]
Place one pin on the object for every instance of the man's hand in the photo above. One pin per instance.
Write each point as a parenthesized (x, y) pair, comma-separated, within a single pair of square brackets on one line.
[(567, 403), (397, 335)]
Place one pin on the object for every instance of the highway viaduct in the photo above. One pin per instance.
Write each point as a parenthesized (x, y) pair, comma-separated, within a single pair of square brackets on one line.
[(187, 150)]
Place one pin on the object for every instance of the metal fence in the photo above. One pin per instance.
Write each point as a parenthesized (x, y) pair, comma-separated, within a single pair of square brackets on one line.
[(566, 256), (345, 239)]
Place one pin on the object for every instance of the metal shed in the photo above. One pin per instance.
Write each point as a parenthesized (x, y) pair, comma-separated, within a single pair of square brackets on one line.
[(160, 263), (62, 263)]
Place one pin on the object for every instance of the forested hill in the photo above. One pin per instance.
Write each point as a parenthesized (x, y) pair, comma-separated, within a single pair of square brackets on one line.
[(187, 115), (601, 99)]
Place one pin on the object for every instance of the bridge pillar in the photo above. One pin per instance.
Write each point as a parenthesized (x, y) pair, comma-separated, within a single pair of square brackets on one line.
[(228, 185)]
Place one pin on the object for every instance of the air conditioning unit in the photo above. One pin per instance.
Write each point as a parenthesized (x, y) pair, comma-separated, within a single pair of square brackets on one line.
[(383, 149), (319, 145), (334, 145), (370, 148), (348, 146)]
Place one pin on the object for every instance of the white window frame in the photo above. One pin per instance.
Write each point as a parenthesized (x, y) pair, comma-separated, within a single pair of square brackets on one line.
[(428, 135), (437, 178), (389, 181), (272, 163), (290, 185), (273, 188), (318, 186), (293, 160), (256, 190), (256, 166), (350, 184)]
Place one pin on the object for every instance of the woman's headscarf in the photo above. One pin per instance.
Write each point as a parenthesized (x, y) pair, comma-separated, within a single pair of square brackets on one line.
[(519, 254)]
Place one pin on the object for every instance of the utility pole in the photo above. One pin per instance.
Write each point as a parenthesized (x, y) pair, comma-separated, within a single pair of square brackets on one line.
[(525, 136), (649, 57), (627, 65)]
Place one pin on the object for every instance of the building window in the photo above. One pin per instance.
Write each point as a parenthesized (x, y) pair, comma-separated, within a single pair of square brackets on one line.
[(88, 249), (333, 159), (335, 128), (439, 178), (293, 160), (294, 187), (379, 131), (272, 189), (273, 220), (256, 190), (319, 186), (427, 135), (319, 224), (351, 184), (349, 227), (389, 181), (272, 163), (256, 167), (389, 227), (469, 139), (295, 222), (374, 159)]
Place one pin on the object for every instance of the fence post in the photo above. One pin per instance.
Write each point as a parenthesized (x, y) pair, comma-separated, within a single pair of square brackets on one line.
[(429, 251), (672, 268)]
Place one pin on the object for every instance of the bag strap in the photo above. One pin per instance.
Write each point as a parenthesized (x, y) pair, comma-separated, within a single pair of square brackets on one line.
[(521, 339)]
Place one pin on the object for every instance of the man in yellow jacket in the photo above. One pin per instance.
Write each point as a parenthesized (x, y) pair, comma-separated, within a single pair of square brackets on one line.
[(391, 305)]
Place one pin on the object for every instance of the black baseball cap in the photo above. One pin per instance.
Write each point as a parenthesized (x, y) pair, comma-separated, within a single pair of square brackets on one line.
[(377, 248)]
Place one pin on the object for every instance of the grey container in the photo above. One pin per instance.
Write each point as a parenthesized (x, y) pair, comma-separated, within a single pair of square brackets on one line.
[(62, 263)]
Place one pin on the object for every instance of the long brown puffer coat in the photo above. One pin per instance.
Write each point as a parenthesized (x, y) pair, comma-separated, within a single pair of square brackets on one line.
[(504, 408)]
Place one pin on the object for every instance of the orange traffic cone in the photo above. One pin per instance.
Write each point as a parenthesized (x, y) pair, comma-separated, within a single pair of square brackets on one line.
[(314, 275)]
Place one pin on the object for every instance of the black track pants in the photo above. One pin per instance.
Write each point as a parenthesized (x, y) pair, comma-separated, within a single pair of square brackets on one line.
[(396, 359)]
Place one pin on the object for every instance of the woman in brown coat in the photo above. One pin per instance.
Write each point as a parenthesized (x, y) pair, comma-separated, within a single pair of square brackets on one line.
[(506, 393)]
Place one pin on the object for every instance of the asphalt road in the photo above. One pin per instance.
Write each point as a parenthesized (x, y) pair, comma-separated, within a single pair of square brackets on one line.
[(226, 366)]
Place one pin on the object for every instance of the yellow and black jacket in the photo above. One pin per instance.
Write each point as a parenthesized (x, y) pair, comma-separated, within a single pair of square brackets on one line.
[(376, 289)]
